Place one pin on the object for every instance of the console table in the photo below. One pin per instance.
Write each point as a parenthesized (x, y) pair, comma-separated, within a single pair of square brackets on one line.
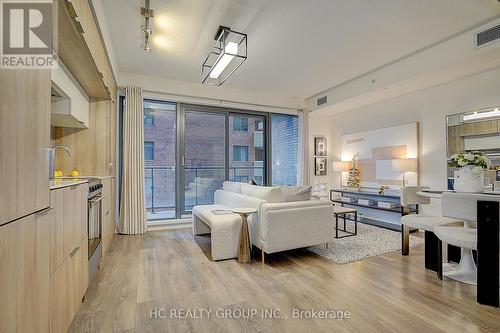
[(389, 218)]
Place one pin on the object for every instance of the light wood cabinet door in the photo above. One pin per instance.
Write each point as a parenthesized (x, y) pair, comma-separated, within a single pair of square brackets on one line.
[(24, 139), (84, 271), (56, 216), (82, 209), (24, 274), (71, 230), (58, 292), (469, 129)]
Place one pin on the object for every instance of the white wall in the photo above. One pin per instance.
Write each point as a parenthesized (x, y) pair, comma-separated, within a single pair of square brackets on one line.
[(429, 107), (320, 125), (223, 95)]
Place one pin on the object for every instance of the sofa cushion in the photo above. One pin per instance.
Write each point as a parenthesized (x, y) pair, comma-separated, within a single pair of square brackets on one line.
[(234, 187), (296, 193), (269, 194)]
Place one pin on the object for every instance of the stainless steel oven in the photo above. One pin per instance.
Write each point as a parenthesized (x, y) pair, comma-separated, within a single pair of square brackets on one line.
[(94, 226)]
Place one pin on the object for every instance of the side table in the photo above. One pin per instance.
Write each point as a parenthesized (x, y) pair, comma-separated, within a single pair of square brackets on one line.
[(244, 253)]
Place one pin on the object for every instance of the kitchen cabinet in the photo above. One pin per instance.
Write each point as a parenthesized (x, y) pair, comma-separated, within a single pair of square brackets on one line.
[(469, 129), (67, 288), (108, 221), (24, 274), (69, 105), (24, 139), (68, 222), (68, 244), (82, 50)]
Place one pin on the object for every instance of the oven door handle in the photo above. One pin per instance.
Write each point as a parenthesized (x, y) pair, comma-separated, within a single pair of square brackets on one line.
[(94, 201)]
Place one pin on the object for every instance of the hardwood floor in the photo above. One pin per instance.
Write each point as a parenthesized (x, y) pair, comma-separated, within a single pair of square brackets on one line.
[(171, 270)]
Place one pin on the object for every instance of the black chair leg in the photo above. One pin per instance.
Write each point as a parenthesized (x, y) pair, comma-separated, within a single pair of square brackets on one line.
[(356, 222), (405, 240), (454, 253), (336, 226), (431, 251), (344, 223), (440, 259)]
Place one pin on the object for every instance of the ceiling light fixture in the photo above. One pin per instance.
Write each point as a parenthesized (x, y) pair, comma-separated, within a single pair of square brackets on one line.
[(148, 13), (227, 54), (483, 114)]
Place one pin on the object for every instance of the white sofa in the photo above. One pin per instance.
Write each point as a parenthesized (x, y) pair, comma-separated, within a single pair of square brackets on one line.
[(277, 225)]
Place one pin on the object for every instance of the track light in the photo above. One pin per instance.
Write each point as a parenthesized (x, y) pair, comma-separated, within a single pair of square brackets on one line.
[(148, 13)]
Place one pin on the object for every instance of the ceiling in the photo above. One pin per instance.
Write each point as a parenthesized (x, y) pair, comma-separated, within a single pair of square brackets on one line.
[(296, 48)]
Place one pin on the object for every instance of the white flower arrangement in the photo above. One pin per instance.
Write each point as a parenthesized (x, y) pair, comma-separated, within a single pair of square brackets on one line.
[(477, 159)]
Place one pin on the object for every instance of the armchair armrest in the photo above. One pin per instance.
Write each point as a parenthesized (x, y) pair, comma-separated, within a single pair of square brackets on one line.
[(303, 223)]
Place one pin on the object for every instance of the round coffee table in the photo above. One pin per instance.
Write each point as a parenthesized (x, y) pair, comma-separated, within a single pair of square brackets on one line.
[(244, 253)]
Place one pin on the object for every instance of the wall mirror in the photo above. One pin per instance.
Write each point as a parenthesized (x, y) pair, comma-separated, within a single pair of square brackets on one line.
[(477, 130)]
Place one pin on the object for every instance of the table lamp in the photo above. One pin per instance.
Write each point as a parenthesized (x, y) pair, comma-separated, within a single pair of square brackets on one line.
[(404, 165), (341, 166)]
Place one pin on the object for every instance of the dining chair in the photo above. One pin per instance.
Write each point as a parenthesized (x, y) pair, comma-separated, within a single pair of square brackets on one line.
[(462, 206), (428, 223)]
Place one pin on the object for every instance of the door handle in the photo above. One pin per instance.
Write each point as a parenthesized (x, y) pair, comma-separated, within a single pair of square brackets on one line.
[(74, 251)]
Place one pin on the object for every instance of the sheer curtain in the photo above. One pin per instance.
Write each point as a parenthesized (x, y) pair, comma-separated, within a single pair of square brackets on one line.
[(303, 167), (133, 219)]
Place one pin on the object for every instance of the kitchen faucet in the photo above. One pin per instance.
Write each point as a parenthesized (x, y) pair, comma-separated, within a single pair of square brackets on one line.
[(52, 155)]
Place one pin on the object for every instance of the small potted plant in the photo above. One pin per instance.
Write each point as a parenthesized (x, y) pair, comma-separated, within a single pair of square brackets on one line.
[(471, 166)]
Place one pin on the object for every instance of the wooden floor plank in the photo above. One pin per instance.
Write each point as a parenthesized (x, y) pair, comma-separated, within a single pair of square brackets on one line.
[(172, 269)]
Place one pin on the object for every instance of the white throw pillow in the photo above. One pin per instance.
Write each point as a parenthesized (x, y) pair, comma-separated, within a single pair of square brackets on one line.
[(269, 194), (296, 193), (232, 186)]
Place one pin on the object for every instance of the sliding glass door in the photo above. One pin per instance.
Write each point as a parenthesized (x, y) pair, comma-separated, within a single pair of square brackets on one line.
[(160, 120), (247, 151), (204, 160), (189, 150)]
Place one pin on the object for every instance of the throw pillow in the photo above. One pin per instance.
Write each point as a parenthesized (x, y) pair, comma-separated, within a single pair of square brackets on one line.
[(296, 193), (269, 194), (234, 187)]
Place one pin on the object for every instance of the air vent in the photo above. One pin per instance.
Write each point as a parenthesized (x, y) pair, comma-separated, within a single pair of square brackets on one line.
[(488, 36), (321, 100)]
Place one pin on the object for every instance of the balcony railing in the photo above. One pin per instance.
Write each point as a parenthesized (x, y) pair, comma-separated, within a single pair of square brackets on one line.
[(160, 184)]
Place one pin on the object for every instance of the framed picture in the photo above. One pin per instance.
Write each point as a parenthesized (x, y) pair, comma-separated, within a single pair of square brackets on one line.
[(319, 146), (320, 166)]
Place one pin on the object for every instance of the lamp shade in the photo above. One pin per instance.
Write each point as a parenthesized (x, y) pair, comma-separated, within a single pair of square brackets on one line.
[(339, 166), (404, 165)]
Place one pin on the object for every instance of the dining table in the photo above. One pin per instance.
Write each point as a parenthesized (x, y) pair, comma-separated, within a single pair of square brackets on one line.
[(487, 274)]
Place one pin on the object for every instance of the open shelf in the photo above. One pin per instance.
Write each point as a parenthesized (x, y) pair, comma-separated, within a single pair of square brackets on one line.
[(396, 209)]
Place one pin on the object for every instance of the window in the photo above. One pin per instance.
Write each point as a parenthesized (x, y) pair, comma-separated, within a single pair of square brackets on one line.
[(240, 153), (259, 154), (240, 124), (149, 117), (149, 150), (285, 142), (241, 179), (259, 125)]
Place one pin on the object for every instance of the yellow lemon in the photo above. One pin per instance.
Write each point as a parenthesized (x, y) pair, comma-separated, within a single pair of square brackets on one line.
[(74, 173)]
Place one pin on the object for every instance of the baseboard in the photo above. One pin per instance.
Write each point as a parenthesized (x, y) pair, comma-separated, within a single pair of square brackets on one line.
[(170, 224)]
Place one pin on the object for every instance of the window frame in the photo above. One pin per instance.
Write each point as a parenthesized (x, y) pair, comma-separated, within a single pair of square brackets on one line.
[(152, 150), (239, 125), (240, 148)]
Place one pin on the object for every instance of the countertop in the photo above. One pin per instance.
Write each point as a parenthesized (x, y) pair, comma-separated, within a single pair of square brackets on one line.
[(60, 183)]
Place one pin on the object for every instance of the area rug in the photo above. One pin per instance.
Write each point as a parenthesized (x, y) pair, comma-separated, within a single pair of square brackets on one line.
[(370, 241)]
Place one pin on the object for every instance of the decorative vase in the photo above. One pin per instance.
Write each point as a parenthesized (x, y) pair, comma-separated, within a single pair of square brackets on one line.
[(467, 181)]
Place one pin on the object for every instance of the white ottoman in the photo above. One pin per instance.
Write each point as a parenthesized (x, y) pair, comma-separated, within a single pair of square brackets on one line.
[(224, 230)]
